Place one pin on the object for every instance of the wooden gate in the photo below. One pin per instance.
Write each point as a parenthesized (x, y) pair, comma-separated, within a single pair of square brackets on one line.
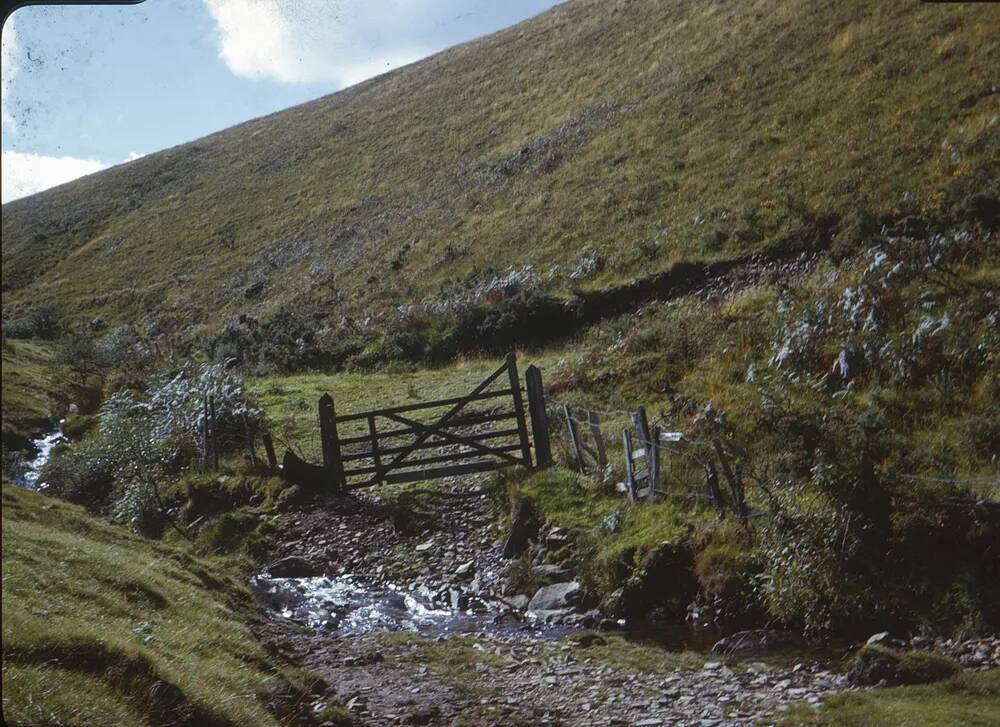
[(482, 431)]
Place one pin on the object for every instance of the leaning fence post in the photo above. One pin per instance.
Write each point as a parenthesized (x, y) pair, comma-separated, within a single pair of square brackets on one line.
[(712, 481), (251, 442), (333, 466), (653, 461), (272, 459), (629, 471), (515, 388), (539, 418), (574, 437), (594, 419)]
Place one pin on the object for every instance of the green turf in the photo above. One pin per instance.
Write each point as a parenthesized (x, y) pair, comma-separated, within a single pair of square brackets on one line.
[(970, 699), (94, 618)]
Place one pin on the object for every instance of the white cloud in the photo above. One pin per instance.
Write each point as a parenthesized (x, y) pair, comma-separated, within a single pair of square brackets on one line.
[(346, 41), (8, 69), (25, 174)]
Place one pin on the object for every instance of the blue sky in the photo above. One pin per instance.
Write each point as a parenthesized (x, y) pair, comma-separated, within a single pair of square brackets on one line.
[(85, 87)]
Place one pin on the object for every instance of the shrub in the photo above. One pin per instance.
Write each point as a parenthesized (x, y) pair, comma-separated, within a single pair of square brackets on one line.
[(40, 321), (143, 441)]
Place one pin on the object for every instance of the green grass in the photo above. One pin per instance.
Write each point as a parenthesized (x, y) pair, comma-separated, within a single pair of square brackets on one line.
[(95, 619), (632, 656), (969, 699), (646, 133), (30, 377)]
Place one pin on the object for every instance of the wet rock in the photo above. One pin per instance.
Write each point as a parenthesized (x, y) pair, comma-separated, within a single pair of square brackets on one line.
[(556, 596), (293, 566), (520, 601), (554, 616), (878, 638)]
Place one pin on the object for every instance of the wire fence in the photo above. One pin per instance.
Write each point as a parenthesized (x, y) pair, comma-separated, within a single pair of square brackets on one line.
[(593, 442), (643, 459)]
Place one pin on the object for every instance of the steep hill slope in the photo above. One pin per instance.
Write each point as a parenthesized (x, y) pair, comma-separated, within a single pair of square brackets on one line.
[(599, 143)]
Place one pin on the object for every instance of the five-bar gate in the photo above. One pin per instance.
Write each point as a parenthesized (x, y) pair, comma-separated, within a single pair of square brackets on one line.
[(484, 430)]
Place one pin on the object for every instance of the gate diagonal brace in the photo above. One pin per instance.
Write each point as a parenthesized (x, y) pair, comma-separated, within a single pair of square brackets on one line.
[(430, 430), (450, 414)]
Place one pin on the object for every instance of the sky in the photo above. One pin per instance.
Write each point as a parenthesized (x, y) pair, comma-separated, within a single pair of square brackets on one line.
[(87, 87)]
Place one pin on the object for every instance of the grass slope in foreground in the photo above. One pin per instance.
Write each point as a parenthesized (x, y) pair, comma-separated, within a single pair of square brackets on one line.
[(101, 627)]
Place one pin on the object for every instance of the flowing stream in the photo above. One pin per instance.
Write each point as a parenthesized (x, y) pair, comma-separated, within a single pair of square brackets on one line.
[(29, 478), (349, 605)]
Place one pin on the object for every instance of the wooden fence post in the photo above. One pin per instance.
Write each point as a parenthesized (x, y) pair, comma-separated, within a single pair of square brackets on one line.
[(251, 445), (653, 461), (595, 430), (333, 466), (539, 418), (712, 481), (376, 455), (629, 471), (515, 387), (641, 425), (574, 437), (272, 459)]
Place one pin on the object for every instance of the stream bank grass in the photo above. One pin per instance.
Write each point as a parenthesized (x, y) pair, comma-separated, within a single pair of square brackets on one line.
[(971, 700), (103, 627), (30, 379)]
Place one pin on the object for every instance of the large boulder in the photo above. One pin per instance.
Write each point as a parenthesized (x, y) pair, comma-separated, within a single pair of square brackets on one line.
[(557, 596)]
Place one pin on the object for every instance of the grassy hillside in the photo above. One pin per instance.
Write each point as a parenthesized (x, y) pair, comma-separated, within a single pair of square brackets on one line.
[(28, 380), (597, 143), (101, 627)]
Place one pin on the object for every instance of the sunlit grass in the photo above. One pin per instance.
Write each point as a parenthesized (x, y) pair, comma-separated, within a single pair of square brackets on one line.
[(84, 601)]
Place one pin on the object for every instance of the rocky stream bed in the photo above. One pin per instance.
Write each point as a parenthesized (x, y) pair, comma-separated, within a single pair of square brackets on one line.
[(418, 626)]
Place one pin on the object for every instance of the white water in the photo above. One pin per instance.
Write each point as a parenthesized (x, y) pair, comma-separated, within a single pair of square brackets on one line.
[(29, 479), (347, 605)]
